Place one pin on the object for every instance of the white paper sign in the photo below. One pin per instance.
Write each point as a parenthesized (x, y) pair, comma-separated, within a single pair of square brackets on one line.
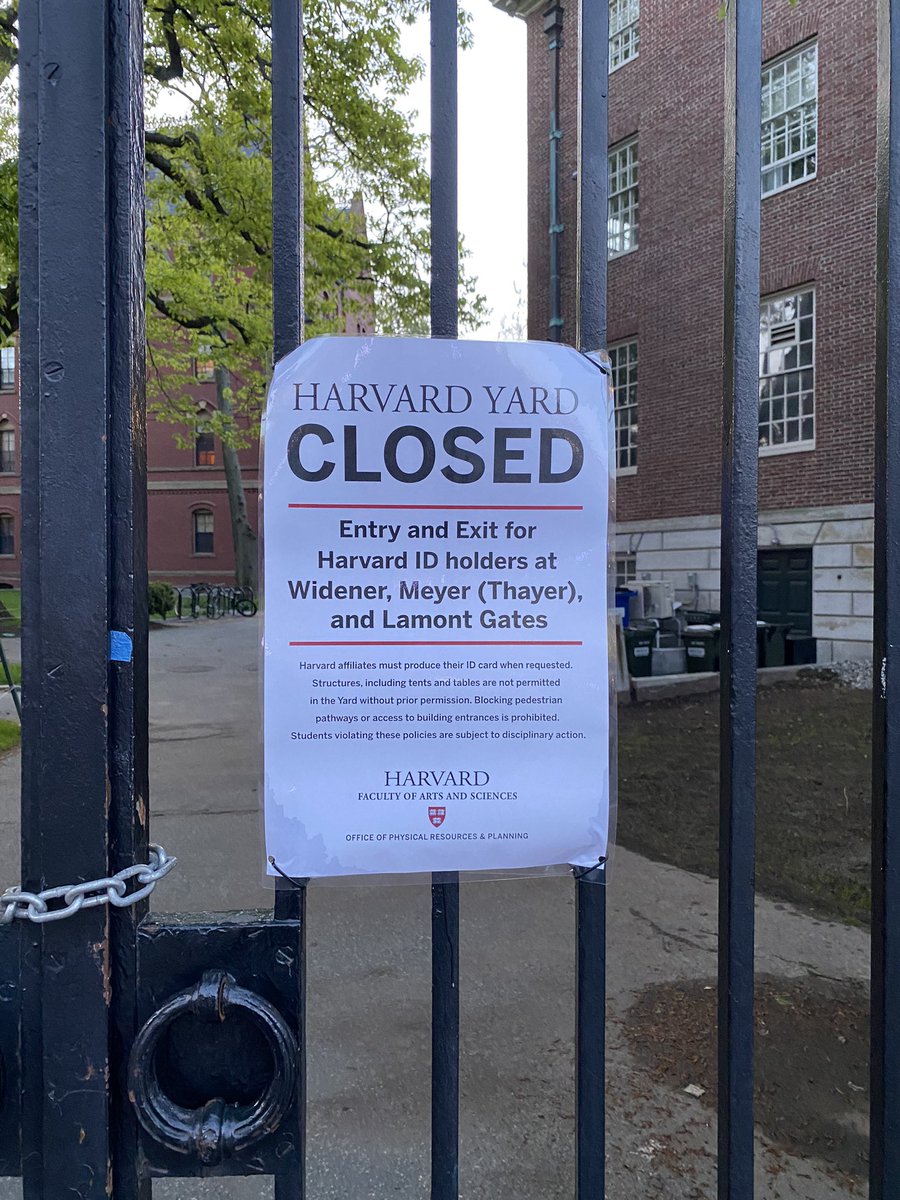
[(435, 647)]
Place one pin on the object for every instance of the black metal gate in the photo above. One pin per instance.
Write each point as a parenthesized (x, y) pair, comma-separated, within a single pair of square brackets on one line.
[(89, 1105)]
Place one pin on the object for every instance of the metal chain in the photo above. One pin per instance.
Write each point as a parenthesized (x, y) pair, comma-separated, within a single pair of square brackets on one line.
[(33, 906)]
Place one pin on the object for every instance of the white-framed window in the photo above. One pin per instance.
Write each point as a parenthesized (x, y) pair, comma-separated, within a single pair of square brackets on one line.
[(7, 534), (790, 104), (624, 360), (8, 369), (787, 366), (204, 449), (205, 368), (7, 450), (624, 31), (203, 532), (626, 569), (622, 224)]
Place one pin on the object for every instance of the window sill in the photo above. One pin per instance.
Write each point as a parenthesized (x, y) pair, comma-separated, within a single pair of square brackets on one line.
[(787, 187), (622, 253), (623, 63), (624, 472), (204, 554), (791, 448)]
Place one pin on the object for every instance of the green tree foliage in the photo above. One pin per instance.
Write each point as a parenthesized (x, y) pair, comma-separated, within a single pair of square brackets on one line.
[(208, 153)]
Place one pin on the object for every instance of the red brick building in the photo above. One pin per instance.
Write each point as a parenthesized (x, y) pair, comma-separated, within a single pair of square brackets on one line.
[(189, 521), (189, 534), (665, 222)]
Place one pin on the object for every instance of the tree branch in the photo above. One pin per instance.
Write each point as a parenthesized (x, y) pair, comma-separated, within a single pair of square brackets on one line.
[(165, 309), (168, 168), (174, 68)]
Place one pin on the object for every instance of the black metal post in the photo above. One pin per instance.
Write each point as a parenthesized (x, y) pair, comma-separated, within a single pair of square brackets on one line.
[(287, 175), (444, 153), (737, 763), (593, 184), (884, 1151), (553, 26), (445, 886), (287, 307), (84, 775), (129, 692)]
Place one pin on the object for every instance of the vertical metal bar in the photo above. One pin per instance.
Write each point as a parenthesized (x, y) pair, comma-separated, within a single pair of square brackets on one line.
[(884, 1150), (84, 751), (129, 698), (445, 1036), (591, 1038), (593, 183), (287, 174), (444, 150), (287, 315), (737, 698), (553, 27), (445, 886)]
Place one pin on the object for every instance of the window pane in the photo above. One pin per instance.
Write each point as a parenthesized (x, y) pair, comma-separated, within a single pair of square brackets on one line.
[(205, 370), (205, 450), (7, 450), (622, 217), (7, 535), (7, 368), (789, 120), (624, 363), (624, 33), (203, 532), (787, 396)]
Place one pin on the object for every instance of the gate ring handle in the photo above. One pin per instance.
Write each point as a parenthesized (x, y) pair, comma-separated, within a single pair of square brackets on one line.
[(217, 1130)]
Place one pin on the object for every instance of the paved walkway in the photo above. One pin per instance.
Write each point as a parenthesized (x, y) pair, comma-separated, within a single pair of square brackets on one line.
[(369, 981)]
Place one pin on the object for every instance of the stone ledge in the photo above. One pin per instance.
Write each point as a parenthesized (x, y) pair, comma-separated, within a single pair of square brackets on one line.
[(670, 687)]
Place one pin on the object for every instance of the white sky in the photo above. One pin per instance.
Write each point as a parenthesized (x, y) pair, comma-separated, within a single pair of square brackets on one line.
[(492, 152)]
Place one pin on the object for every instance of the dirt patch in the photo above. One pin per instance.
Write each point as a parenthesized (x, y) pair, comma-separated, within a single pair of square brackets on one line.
[(813, 798), (812, 1047)]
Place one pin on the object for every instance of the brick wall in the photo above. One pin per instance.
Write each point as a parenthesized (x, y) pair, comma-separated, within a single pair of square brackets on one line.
[(668, 293)]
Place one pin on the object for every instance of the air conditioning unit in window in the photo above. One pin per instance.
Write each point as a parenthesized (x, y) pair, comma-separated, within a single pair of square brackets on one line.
[(656, 598)]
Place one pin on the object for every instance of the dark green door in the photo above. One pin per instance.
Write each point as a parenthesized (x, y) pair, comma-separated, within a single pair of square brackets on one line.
[(784, 588)]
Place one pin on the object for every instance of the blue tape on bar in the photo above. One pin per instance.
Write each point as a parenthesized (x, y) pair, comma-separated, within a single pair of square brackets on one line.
[(120, 646)]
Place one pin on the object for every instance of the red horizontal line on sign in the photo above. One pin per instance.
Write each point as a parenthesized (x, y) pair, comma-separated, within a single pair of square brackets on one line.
[(459, 507), (408, 643)]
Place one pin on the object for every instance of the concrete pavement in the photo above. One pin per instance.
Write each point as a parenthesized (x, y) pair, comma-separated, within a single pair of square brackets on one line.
[(369, 980)]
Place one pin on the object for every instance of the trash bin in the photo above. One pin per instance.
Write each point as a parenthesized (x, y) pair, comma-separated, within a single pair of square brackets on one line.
[(638, 647), (623, 601), (761, 630), (701, 648), (800, 649), (774, 655), (699, 616)]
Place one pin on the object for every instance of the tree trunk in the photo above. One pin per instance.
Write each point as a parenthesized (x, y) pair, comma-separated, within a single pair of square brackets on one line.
[(245, 552)]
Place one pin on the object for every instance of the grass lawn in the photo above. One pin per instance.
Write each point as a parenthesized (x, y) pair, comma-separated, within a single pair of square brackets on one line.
[(813, 802), (11, 599), (10, 735)]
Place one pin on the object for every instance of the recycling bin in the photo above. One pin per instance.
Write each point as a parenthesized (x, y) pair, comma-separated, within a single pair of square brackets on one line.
[(771, 644), (701, 649), (638, 651), (800, 649), (623, 601)]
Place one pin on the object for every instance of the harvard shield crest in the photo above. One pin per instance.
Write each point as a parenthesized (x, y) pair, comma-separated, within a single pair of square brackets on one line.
[(436, 816)]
